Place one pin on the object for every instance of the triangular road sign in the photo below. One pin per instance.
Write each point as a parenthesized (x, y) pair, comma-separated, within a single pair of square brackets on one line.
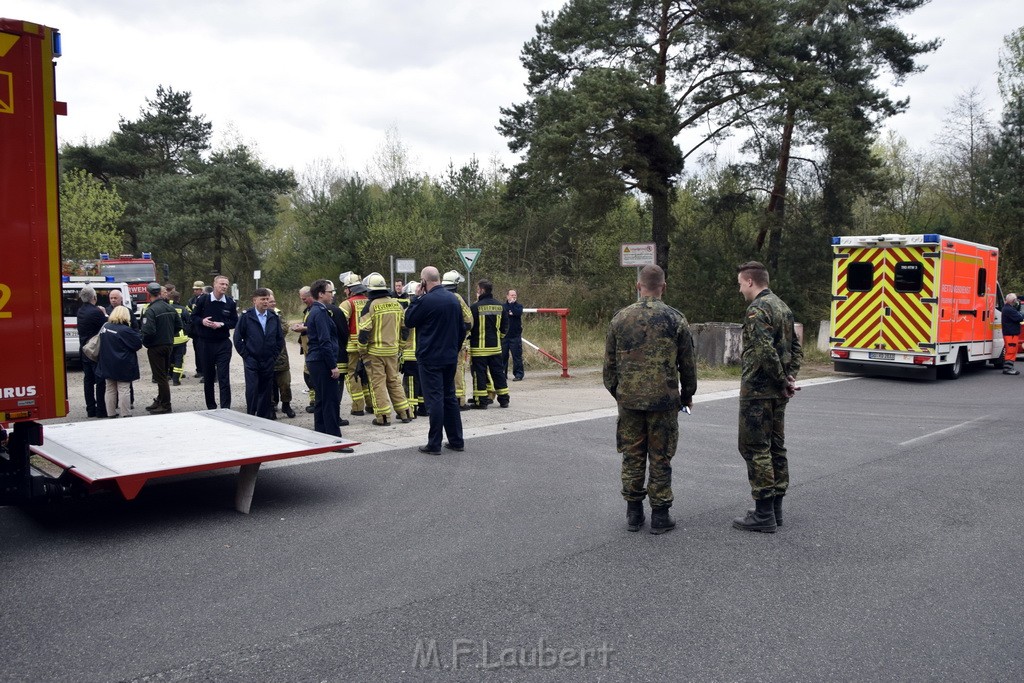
[(469, 257)]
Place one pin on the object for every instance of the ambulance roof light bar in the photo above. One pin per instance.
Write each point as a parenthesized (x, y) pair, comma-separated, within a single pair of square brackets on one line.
[(885, 240)]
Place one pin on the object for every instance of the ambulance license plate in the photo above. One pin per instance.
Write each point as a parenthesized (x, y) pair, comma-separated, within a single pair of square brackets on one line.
[(881, 355)]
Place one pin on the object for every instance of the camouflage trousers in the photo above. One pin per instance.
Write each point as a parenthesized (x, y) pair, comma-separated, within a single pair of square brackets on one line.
[(647, 438), (762, 443)]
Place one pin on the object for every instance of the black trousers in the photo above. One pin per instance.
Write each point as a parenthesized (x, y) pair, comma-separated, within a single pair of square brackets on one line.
[(217, 364), (95, 390), (160, 363), (259, 383), (438, 382), (513, 345), (328, 397)]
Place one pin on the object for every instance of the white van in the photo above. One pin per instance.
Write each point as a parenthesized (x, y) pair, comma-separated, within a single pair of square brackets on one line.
[(72, 288)]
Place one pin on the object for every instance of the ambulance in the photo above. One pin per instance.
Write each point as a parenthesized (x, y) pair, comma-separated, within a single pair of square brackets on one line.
[(914, 305)]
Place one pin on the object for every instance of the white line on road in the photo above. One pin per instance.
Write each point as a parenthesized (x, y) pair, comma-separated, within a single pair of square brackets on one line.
[(941, 432), (402, 442)]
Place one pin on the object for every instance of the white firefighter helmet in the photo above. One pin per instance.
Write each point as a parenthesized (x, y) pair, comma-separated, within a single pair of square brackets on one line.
[(411, 287), (452, 279), (375, 282), (351, 281)]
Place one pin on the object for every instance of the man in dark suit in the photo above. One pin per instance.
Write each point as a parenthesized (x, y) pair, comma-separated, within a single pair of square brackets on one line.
[(259, 340)]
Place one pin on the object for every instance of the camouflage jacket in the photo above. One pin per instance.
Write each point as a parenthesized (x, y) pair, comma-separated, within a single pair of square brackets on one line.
[(649, 361), (771, 349)]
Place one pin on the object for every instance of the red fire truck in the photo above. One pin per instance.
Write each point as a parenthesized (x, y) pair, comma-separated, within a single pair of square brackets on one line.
[(33, 384), (137, 272)]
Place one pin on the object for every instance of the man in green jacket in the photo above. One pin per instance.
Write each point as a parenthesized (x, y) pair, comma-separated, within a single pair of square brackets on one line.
[(160, 325), (771, 361), (649, 368)]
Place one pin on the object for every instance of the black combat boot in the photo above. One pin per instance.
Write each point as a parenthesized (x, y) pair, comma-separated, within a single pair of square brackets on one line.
[(286, 408), (634, 514), (661, 521), (761, 518), (777, 506)]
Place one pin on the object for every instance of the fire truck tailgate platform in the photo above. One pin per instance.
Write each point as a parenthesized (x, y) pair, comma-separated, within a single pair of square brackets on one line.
[(179, 443)]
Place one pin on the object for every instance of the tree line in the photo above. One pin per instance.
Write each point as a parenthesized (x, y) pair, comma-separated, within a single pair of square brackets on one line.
[(627, 102)]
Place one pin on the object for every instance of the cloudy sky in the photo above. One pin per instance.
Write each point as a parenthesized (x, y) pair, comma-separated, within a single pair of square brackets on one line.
[(326, 79)]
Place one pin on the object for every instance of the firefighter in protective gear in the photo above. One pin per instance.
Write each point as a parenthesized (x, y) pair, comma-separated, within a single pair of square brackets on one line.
[(451, 281), (1011, 321), (407, 358), (380, 325), (356, 380), (490, 322), (181, 340)]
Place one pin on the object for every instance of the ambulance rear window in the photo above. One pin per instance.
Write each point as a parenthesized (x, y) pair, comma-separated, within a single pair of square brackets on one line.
[(909, 277), (982, 277), (859, 277)]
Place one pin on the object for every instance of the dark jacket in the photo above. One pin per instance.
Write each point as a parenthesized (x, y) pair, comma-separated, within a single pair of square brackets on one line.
[(90, 319), (160, 324), (259, 349), (219, 311), (1011, 321), (514, 310), (437, 318), (119, 360), (322, 335), (490, 323), (340, 324)]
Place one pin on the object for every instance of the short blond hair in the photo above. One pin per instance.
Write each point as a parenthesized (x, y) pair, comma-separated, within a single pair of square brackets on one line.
[(120, 316)]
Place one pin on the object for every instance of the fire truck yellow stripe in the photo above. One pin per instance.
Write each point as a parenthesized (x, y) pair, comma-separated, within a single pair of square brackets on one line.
[(53, 225)]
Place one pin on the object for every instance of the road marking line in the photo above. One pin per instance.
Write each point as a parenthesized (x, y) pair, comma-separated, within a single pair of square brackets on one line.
[(404, 442), (944, 431)]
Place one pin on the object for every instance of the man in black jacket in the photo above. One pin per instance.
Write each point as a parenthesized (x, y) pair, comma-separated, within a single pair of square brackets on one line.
[(259, 340), (160, 325), (213, 317), (90, 319), (436, 315), (512, 342)]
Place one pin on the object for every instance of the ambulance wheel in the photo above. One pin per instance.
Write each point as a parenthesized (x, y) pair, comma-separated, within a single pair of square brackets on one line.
[(957, 368)]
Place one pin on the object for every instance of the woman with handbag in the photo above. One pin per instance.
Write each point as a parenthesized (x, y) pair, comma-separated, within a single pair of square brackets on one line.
[(118, 360)]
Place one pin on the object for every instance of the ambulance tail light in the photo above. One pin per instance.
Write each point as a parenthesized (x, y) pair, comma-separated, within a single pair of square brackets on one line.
[(924, 360), (840, 353)]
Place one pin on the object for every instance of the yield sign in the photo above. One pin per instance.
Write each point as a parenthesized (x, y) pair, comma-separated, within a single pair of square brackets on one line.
[(469, 257)]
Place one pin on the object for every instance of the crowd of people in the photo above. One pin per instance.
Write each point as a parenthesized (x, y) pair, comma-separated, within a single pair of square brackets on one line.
[(373, 343), (404, 352)]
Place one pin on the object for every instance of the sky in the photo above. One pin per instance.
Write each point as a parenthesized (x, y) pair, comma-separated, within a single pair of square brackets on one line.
[(310, 80)]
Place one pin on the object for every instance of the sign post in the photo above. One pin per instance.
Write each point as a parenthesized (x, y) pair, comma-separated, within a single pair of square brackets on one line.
[(469, 257), (637, 256)]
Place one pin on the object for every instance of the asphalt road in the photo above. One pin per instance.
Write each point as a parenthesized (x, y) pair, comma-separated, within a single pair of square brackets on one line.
[(900, 559)]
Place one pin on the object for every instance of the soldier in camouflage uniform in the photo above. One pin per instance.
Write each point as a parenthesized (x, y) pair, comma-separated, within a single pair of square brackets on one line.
[(649, 368), (771, 360)]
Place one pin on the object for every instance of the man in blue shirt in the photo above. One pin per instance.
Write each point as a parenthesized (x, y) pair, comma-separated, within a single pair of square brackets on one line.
[(259, 340), (436, 315)]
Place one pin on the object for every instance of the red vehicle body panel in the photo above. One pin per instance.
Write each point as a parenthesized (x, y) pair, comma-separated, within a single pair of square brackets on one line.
[(32, 380)]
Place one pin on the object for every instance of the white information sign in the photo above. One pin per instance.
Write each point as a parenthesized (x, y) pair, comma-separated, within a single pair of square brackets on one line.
[(637, 255), (405, 266)]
